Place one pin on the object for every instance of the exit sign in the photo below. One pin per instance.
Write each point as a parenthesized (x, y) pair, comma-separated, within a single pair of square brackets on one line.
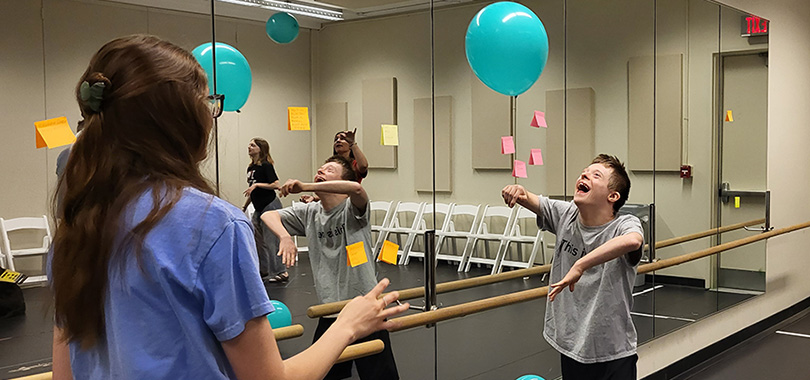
[(754, 26)]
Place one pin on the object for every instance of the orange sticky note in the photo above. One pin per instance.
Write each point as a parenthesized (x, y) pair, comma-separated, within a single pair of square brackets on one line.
[(356, 254), (519, 169), (536, 157), (729, 117), (297, 119), (507, 145), (54, 133), (539, 120), (388, 253)]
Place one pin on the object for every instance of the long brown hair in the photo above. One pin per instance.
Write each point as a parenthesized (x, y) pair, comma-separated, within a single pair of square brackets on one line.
[(264, 151), (148, 132)]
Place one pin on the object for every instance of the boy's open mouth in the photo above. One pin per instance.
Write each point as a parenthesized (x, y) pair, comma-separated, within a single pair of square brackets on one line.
[(582, 187)]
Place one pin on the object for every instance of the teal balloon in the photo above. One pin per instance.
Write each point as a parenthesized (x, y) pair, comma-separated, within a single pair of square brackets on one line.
[(282, 28), (280, 317), (530, 377), (234, 78), (507, 47)]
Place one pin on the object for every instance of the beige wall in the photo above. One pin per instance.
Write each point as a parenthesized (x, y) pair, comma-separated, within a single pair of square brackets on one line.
[(788, 135), (47, 47)]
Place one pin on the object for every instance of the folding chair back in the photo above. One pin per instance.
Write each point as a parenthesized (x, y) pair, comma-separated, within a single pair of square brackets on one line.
[(18, 224)]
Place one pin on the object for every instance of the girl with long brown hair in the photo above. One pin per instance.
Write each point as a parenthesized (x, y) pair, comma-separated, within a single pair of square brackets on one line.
[(153, 275), (262, 184)]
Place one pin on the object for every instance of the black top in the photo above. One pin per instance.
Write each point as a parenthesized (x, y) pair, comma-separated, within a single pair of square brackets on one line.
[(263, 173)]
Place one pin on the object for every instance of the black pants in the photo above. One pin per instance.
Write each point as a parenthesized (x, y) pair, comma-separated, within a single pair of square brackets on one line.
[(375, 367), (619, 369)]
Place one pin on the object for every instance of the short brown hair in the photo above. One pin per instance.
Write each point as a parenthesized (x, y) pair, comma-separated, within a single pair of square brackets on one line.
[(348, 171), (619, 180)]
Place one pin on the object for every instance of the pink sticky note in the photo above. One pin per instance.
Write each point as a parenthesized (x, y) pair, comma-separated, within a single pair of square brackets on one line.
[(539, 119), (507, 145), (519, 169), (536, 157)]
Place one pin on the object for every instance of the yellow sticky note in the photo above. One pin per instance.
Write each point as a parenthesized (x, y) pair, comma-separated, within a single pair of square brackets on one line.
[(389, 135), (388, 253), (356, 254), (54, 133), (736, 202), (729, 117), (297, 119)]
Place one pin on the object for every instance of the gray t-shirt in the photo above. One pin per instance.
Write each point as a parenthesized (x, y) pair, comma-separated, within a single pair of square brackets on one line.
[(328, 233), (591, 324)]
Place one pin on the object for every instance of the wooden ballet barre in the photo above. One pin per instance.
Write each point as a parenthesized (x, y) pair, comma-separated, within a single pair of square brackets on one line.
[(316, 311), (713, 231), (361, 350), (288, 332), (352, 352), (460, 310)]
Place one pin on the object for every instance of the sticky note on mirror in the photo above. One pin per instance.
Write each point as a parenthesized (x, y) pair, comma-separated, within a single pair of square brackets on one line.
[(536, 157), (539, 120), (297, 119), (54, 133), (356, 254), (729, 116), (507, 145), (736, 202), (388, 253), (519, 169), (389, 135)]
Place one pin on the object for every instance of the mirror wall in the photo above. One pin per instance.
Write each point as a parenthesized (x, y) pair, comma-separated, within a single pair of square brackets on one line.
[(649, 82)]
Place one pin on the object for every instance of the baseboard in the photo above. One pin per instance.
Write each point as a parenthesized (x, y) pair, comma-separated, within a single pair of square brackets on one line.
[(694, 360), (675, 280)]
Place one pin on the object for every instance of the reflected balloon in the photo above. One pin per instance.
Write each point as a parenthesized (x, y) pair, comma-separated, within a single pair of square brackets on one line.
[(530, 377), (507, 47), (282, 28), (234, 78), (280, 317)]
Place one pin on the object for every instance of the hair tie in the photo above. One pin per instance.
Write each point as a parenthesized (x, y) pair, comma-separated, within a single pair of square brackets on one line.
[(92, 95)]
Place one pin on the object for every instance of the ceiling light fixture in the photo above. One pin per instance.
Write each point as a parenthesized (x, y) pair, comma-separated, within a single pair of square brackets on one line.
[(299, 9)]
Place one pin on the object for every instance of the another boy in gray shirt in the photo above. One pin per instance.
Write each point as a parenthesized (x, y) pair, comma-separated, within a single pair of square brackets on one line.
[(597, 251), (340, 219)]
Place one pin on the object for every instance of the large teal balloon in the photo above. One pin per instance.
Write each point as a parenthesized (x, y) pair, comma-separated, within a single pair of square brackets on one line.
[(507, 47), (530, 377), (233, 73), (282, 28), (280, 317)]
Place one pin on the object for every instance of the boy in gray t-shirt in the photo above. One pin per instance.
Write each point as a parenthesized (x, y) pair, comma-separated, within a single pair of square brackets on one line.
[(338, 220), (597, 251)]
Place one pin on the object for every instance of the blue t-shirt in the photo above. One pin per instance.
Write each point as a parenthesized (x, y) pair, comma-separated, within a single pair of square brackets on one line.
[(199, 284)]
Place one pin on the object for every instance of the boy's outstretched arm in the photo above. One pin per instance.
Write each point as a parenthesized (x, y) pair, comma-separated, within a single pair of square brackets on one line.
[(286, 246), (517, 194), (354, 190), (613, 248)]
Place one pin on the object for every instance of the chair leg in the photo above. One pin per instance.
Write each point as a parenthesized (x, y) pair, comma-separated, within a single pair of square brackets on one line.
[(465, 256), (406, 251), (502, 248)]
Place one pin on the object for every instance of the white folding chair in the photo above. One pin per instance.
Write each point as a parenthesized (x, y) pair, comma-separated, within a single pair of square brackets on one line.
[(459, 216), (402, 215), (379, 207), (297, 239), (491, 216), (424, 221), (18, 224), (525, 218)]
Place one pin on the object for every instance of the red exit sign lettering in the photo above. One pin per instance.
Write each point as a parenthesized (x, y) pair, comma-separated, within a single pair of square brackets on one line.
[(754, 26)]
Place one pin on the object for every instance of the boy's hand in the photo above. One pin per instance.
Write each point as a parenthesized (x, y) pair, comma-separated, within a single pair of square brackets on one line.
[(569, 280), (292, 186), (287, 250), (514, 194)]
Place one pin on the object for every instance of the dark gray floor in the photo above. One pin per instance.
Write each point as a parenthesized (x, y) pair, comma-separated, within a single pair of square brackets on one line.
[(771, 355), (503, 343)]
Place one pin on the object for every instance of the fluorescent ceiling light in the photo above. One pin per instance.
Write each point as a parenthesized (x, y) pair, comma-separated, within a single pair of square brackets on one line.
[(299, 9)]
